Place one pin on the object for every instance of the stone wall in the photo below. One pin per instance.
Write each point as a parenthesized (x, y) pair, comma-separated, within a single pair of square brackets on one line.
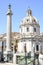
[(40, 59)]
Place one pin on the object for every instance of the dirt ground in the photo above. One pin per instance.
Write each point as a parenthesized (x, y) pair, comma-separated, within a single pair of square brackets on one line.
[(7, 64)]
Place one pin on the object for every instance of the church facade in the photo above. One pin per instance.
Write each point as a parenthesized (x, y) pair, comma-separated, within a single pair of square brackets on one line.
[(30, 34)]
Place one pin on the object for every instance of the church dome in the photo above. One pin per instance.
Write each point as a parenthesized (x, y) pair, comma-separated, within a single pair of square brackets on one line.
[(29, 24), (29, 19)]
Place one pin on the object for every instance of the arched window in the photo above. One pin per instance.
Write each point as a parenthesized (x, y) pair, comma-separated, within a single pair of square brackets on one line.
[(37, 48)]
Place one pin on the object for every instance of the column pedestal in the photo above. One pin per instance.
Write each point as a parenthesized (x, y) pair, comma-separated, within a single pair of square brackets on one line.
[(8, 56)]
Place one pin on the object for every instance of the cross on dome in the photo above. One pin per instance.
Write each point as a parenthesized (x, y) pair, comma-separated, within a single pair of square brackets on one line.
[(29, 12)]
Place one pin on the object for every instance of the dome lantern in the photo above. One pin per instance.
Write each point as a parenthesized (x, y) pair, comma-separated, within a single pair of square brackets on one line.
[(29, 12)]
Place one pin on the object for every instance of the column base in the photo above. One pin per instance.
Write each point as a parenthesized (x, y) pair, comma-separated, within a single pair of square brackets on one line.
[(8, 56)]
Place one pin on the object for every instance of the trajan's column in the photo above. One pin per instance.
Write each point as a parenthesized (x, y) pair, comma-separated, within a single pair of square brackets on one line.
[(8, 53), (9, 28)]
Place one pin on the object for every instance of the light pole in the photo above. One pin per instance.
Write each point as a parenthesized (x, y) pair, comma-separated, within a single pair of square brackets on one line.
[(34, 55), (2, 58), (25, 54)]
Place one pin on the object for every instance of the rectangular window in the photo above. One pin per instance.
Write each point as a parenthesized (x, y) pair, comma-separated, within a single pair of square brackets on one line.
[(37, 48), (27, 29), (34, 29)]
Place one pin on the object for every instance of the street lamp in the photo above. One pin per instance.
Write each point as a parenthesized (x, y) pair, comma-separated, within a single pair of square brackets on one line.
[(33, 54), (25, 54), (2, 58)]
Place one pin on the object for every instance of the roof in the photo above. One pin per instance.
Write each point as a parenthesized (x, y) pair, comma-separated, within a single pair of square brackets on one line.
[(14, 35), (29, 19)]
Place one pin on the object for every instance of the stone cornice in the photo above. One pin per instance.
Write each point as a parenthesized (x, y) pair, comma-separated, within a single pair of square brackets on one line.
[(29, 24)]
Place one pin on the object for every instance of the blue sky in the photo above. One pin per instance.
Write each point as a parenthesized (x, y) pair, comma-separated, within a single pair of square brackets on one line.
[(19, 8)]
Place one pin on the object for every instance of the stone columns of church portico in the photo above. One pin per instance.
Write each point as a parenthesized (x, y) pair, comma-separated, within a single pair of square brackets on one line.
[(40, 48), (33, 50), (21, 47)]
